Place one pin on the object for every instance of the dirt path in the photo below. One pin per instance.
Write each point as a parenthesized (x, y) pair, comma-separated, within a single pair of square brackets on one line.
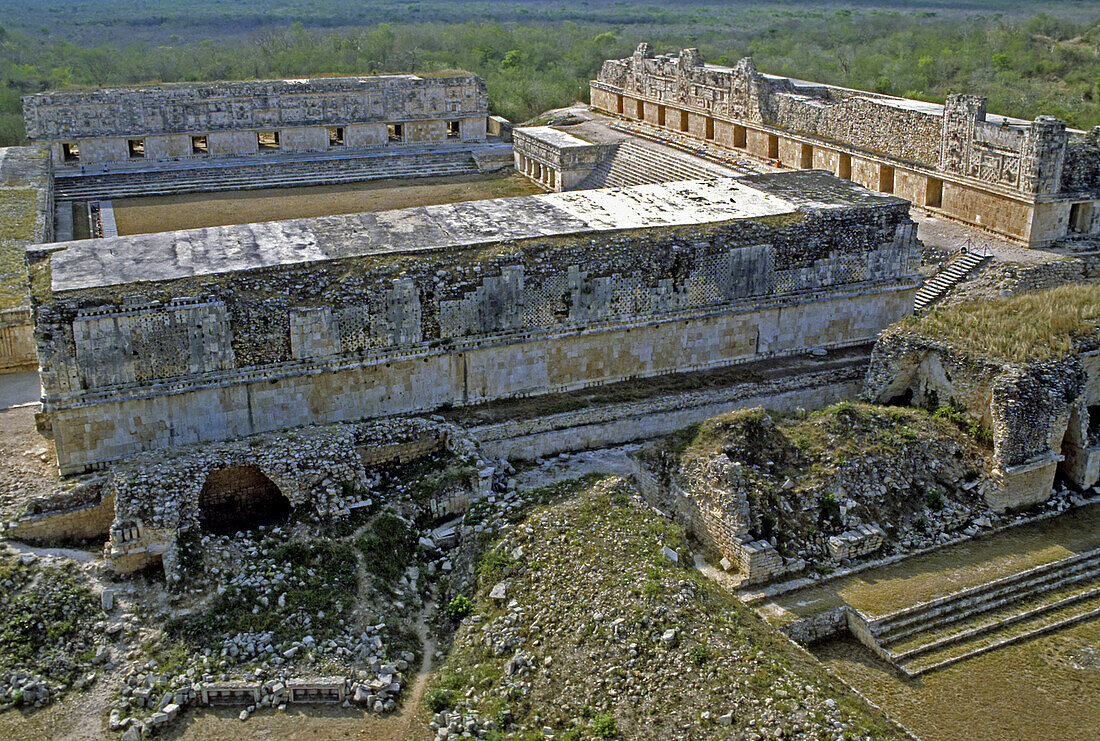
[(412, 724)]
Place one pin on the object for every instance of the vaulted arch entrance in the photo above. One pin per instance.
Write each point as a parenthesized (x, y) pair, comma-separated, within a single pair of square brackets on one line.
[(240, 498)]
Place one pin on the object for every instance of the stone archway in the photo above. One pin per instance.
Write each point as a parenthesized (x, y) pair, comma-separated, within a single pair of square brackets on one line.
[(240, 498)]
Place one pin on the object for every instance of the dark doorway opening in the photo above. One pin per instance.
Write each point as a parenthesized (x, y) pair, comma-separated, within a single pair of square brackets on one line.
[(240, 498)]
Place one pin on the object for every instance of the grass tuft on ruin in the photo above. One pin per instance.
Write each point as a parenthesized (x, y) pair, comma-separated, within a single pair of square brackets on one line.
[(18, 218), (1043, 325)]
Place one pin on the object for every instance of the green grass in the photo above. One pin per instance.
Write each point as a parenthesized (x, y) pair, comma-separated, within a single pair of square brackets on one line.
[(1031, 327), (388, 547), (41, 615), (18, 217), (321, 578)]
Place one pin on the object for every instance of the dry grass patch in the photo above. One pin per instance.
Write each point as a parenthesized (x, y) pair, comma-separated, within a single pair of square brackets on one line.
[(1033, 326)]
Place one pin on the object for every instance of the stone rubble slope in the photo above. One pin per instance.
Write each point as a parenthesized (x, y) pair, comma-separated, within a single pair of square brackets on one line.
[(586, 624)]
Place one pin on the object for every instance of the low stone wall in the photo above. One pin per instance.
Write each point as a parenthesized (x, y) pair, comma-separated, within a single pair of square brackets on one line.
[(819, 627), (614, 424), (17, 350), (854, 543), (80, 523)]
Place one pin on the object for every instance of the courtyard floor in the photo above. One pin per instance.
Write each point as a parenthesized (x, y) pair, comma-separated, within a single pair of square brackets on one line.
[(195, 210)]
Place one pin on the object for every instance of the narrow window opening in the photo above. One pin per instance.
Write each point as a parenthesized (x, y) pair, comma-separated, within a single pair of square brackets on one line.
[(933, 193), (773, 146), (683, 120), (268, 141), (70, 152), (885, 179), (806, 161), (641, 111), (740, 137), (336, 136), (844, 166), (199, 145), (619, 104), (136, 148), (454, 130), (661, 115), (395, 133), (709, 130)]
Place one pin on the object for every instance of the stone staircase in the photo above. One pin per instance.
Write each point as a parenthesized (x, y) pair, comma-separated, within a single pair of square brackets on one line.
[(240, 173), (936, 634), (729, 159), (957, 269), (636, 162)]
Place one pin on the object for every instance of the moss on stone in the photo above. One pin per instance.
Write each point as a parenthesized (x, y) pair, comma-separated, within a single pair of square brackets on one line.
[(18, 219)]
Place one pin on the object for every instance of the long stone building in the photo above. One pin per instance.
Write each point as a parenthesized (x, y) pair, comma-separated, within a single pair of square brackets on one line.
[(195, 120), (161, 340), (1032, 181)]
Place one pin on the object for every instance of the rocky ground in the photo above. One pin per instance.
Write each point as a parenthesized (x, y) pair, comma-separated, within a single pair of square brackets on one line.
[(27, 461), (585, 621)]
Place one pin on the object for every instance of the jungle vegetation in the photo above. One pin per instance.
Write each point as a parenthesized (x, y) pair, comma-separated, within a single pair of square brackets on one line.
[(539, 54)]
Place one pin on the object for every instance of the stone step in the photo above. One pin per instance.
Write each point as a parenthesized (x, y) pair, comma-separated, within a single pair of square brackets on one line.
[(897, 625), (263, 175), (1029, 625), (239, 182), (987, 621), (956, 270), (938, 624), (638, 163)]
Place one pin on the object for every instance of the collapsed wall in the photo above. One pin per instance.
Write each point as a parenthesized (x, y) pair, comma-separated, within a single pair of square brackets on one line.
[(1043, 411), (156, 341), (143, 505), (774, 494)]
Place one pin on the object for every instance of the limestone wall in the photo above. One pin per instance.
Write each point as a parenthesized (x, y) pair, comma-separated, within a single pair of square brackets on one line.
[(26, 218), (103, 124), (1038, 413), (17, 349), (410, 329), (954, 159)]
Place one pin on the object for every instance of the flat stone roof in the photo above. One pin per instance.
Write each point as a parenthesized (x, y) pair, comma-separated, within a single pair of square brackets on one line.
[(96, 263), (553, 137)]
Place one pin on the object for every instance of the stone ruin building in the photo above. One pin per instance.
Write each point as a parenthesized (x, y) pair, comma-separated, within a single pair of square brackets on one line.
[(205, 120), (156, 341), (1034, 182), (1045, 416), (195, 340)]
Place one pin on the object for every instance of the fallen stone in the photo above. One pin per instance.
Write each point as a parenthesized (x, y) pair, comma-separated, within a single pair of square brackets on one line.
[(670, 555)]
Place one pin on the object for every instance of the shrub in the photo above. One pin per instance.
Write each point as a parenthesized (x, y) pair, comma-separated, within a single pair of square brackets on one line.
[(935, 501), (603, 726), (699, 655), (388, 547), (458, 608), (439, 700)]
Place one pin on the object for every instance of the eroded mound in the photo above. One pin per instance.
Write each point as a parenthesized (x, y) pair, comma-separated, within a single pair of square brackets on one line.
[(599, 634)]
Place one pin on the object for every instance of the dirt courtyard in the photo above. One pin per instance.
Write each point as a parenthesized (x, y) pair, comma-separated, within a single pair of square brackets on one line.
[(195, 210)]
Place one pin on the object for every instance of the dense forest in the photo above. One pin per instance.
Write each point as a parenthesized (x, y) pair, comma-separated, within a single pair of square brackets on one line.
[(538, 54)]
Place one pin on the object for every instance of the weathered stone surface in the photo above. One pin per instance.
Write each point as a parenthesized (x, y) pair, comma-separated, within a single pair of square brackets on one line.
[(493, 299), (956, 157)]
